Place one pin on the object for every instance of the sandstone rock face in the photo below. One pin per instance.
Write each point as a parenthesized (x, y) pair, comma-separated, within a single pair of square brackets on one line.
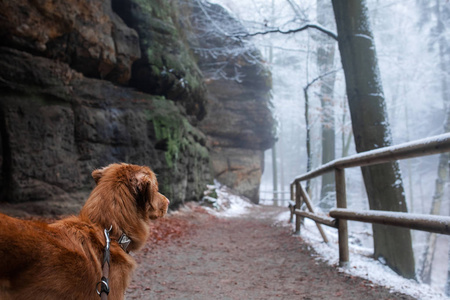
[(239, 123), (87, 35), (88, 83), (167, 66), (58, 126)]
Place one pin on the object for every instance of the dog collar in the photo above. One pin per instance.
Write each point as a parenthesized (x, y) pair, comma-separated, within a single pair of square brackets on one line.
[(124, 241)]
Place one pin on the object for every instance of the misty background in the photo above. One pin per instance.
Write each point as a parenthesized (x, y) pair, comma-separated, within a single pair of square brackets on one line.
[(411, 40)]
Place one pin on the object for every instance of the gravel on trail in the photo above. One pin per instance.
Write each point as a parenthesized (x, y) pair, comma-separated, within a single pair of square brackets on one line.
[(192, 254)]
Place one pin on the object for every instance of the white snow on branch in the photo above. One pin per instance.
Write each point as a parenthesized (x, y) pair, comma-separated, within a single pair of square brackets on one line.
[(365, 36)]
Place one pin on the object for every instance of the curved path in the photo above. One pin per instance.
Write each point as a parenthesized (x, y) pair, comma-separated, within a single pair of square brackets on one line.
[(244, 257)]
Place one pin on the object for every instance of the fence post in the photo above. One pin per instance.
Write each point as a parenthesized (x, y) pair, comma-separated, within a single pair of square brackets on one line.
[(308, 203), (293, 191), (298, 204), (292, 206), (341, 202)]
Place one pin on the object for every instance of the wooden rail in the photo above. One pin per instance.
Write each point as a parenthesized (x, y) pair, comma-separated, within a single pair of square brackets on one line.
[(423, 147), (430, 223), (339, 216), (319, 219)]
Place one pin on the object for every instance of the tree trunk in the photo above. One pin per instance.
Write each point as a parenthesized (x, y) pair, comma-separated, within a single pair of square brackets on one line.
[(442, 176), (274, 148), (308, 137), (325, 63), (345, 140), (447, 284), (275, 175), (428, 256), (371, 130), (281, 170)]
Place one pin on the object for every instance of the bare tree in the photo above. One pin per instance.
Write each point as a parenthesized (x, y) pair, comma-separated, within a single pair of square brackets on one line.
[(307, 121), (325, 62), (371, 130), (442, 13)]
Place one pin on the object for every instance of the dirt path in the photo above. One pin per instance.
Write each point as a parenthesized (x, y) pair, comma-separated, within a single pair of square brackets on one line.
[(238, 258)]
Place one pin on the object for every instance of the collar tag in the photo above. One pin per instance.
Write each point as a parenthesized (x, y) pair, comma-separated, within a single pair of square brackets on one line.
[(124, 241)]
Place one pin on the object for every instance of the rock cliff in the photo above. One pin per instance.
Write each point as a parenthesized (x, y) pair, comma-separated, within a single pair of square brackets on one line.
[(239, 124), (84, 84), (57, 126)]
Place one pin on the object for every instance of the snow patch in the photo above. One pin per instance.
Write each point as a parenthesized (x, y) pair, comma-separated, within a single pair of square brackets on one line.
[(361, 263), (223, 202)]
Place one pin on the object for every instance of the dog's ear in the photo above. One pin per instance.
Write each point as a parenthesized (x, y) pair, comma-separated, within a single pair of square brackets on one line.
[(146, 185), (97, 174)]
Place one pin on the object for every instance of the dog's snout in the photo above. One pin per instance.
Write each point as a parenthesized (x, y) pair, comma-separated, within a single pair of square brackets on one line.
[(165, 198)]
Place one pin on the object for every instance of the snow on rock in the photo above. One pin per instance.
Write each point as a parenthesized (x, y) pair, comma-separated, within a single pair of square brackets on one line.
[(222, 201), (361, 262)]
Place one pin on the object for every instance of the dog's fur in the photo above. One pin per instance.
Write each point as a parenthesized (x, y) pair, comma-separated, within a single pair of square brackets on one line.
[(63, 260)]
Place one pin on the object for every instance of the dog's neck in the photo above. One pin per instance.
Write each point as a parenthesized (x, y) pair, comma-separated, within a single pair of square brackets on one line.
[(124, 241)]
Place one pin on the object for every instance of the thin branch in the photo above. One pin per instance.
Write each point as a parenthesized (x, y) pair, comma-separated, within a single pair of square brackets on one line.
[(211, 20), (307, 26), (320, 77), (297, 10)]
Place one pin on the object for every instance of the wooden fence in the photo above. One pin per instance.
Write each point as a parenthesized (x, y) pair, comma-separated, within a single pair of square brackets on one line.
[(269, 196), (338, 217)]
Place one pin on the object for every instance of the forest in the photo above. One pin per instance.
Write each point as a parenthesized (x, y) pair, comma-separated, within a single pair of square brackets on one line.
[(408, 65)]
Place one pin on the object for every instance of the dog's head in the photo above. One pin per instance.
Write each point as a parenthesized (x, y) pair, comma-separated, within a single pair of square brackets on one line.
[(126, 197), (140, 181)]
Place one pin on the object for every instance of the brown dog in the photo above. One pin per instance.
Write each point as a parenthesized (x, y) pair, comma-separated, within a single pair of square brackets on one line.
[(64, 260)]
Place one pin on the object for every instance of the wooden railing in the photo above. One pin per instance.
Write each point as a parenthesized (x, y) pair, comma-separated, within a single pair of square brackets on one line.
[(338, 217)]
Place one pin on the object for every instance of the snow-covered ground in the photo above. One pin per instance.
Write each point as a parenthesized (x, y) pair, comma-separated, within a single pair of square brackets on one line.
[(228, 204), (361, 264)]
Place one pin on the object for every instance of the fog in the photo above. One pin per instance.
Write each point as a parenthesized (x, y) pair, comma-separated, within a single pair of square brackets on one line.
[(413, 53)]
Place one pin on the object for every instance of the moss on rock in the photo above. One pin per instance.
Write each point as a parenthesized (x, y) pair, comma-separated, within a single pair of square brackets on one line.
[(175, 135), (167, 66)]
